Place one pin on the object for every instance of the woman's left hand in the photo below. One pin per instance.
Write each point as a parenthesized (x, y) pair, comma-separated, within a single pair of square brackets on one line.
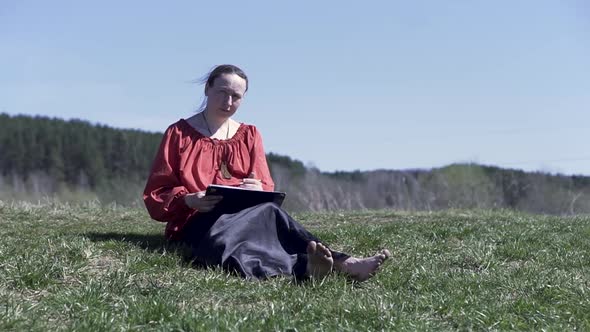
[(251, 183)]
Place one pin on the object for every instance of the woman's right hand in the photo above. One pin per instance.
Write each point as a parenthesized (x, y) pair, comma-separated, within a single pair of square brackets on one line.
[(201, 202)]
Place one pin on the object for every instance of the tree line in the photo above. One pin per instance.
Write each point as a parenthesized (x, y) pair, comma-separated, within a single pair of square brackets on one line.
[(78, 160), (74, 152)]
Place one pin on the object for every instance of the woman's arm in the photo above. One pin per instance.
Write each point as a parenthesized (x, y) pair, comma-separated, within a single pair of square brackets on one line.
[(259, 166), (164, 192)]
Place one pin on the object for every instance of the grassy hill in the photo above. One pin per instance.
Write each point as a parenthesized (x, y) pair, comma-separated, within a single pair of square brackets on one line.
[(88, 267)]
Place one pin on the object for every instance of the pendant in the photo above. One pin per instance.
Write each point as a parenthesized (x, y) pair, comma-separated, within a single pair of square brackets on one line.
[(224, 171)]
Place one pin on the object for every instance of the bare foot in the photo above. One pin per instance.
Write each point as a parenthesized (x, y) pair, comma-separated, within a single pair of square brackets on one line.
[(319, 260), (361, 269)]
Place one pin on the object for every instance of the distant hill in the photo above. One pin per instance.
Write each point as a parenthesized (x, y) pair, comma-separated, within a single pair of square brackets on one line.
[(76, 161)]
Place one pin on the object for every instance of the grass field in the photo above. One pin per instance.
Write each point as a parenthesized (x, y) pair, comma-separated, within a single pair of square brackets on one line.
[(106, 268)]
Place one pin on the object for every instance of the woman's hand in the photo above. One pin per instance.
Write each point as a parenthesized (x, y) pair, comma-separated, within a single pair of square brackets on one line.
[(251, 183), (201, 202)]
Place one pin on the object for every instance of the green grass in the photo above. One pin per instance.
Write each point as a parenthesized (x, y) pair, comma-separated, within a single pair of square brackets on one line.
[(107, 268)]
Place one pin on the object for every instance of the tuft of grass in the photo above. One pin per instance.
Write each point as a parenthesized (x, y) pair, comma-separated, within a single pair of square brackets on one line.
[(91, 267)]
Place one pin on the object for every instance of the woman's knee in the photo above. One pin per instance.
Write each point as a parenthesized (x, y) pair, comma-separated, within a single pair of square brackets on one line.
[(270, 206), (267, 212)]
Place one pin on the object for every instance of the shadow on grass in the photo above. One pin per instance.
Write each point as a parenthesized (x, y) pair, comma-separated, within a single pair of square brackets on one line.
[(151, 242), (155, 243), (158, 244)]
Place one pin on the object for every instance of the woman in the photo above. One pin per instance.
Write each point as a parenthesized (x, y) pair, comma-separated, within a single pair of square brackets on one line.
[(211, 148)]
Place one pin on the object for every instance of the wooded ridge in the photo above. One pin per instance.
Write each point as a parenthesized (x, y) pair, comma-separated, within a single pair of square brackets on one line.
[(76, 160)]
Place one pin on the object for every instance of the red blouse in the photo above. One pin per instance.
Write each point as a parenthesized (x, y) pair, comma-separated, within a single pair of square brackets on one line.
[(187, 162)]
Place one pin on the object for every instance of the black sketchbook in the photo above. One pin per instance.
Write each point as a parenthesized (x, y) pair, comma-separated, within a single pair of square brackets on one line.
[(236, 199)]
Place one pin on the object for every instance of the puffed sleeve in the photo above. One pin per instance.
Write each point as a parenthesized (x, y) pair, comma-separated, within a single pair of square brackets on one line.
[(164, 193), (259, 165)]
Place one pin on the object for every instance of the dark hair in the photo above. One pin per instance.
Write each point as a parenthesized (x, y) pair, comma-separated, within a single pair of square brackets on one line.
[(225, 69), (209, 79)]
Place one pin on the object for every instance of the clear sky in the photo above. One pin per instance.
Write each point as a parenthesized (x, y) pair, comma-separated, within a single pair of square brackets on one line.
[(340, 85)]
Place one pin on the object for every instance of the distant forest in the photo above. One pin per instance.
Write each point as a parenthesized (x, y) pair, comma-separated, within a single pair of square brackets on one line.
[(48, 158)]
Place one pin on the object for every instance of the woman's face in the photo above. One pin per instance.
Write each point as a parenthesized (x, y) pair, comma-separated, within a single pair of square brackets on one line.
[(225, 96)]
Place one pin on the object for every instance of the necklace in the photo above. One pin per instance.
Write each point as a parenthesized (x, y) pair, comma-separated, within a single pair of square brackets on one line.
[(223, 168)]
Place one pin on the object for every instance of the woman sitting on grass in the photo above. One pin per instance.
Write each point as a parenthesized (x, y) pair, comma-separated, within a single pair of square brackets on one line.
[(211, 148)]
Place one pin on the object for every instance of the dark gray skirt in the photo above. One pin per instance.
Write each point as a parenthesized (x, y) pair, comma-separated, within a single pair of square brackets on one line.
[(259, 242)]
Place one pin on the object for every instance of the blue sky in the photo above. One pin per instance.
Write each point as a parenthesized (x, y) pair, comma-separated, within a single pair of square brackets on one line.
[(338, 85)]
